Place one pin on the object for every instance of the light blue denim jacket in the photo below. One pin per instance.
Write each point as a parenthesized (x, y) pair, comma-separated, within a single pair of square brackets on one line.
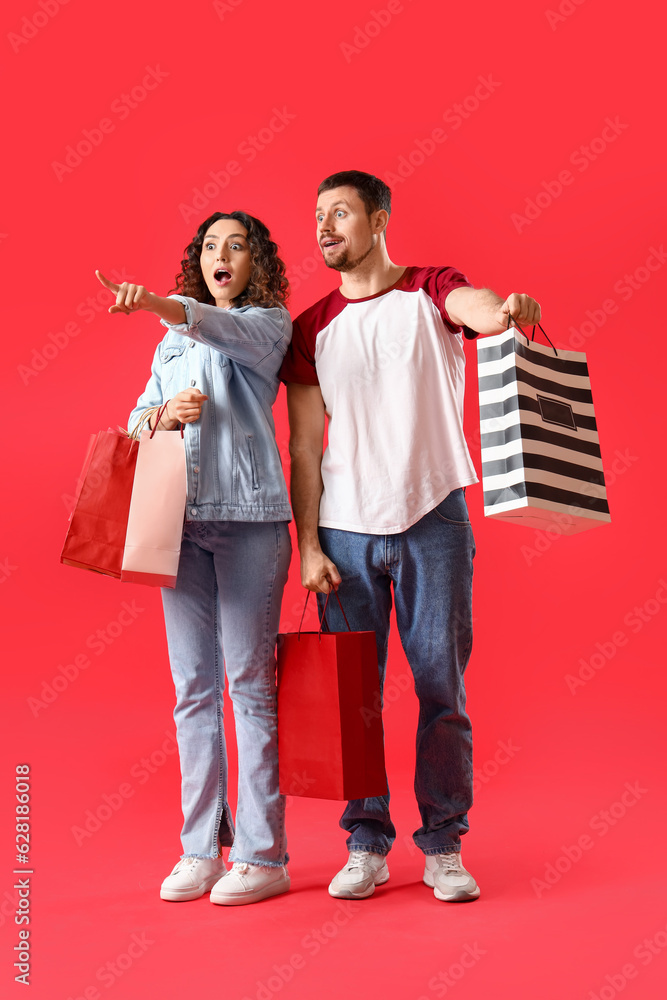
[(233, 356)]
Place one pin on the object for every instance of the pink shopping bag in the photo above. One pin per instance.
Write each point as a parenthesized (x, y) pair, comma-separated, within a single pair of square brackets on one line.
[(155, 524)]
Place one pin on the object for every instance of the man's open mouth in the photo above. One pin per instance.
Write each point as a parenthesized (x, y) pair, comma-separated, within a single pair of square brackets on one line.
[(221, 276), (330, 243)]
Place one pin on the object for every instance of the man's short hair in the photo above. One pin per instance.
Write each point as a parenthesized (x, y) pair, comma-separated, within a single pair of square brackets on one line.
[(373, 192)]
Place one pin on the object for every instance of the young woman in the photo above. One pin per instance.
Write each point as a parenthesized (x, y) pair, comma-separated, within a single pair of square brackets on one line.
[(216, 368)]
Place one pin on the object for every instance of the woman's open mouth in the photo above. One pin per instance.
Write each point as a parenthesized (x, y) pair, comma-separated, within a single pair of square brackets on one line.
[(221, 277)]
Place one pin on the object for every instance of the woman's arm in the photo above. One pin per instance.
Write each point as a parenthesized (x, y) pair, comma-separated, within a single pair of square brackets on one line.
[(248, 337), (129, 298)]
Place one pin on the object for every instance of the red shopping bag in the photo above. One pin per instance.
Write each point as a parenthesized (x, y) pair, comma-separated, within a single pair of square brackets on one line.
[(96, 533), (330, 736), (155, 522)]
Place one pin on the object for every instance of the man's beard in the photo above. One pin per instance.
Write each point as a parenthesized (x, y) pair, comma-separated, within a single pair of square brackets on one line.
[(345, 263)]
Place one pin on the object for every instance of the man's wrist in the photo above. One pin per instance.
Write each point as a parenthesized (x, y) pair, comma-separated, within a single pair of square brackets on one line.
[(309, 544)]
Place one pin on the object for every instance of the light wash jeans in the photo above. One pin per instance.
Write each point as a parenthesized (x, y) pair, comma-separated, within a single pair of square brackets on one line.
[(226, 603), (430, 567)]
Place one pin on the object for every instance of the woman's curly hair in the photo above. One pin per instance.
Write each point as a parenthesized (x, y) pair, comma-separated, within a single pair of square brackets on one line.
[(267, 286)]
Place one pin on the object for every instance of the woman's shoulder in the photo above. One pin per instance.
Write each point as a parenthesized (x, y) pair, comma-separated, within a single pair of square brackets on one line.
[(273, 314)]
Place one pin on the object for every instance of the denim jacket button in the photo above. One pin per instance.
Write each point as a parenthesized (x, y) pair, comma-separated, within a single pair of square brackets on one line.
[(193, 382), (193, 512), (192, 343), (196, 468)]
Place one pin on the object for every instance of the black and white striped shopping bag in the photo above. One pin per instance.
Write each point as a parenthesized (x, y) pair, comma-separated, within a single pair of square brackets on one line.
[(541, 462)]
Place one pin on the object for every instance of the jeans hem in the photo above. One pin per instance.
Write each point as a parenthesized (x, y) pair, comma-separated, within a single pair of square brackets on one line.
[(202, 857), (258, 862), (445, 849), (371, 848)]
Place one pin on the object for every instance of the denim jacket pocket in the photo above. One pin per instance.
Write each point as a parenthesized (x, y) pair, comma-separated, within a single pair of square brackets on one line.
[(253, 464), (170, 351)]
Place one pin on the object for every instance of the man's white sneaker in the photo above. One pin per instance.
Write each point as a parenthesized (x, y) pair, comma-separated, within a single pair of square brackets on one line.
[(449, 880), (361, 874), (246, 883), (191, 878)]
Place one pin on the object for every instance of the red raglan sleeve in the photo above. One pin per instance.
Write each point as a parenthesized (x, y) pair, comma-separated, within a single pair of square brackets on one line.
[(442, 282), (299, 363)]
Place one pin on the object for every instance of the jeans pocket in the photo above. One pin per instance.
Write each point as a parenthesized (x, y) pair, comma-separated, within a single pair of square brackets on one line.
[(453, 509)]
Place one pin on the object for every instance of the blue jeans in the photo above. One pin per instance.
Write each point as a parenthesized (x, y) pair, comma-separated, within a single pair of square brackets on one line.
[(430, 567), (226, 603)]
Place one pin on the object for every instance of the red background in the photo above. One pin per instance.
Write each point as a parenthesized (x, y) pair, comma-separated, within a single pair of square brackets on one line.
[(361, 99)]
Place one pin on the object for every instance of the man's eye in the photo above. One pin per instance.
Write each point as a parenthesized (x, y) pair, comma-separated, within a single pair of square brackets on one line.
[(340, 212)]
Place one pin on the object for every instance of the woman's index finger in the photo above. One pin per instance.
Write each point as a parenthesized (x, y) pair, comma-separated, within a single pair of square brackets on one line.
[(105, 281)]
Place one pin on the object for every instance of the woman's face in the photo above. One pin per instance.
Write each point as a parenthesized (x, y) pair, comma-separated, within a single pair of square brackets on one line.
[(225, 260)]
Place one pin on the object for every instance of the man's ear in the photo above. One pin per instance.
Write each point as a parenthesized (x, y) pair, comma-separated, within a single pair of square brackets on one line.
[(381, 220)]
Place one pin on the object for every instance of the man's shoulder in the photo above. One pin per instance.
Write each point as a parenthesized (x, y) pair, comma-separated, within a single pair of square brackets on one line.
[(320, 314), (422, 275)]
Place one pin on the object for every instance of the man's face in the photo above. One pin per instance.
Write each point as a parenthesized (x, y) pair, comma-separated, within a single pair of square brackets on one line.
[(344, 231)]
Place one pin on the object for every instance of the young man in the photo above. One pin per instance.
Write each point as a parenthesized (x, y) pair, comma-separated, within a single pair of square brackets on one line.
[(382, 356)]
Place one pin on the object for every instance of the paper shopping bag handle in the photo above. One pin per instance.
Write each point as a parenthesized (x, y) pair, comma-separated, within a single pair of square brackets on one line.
[(510, 320), (323, 621), (160, 411)]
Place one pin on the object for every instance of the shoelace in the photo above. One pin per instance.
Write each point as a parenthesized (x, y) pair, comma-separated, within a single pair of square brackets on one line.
[(357, 859), (239, 868), (187, 863), (451, 863)]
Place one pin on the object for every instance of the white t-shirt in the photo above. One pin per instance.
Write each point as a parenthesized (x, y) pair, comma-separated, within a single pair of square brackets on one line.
[(391, 371)]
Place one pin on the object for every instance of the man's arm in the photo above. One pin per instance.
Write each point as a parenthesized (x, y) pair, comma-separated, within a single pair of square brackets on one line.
[(482, 310), (306, 418)]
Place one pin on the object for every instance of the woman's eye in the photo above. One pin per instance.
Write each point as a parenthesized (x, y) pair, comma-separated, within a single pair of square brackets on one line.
[(210, 246)]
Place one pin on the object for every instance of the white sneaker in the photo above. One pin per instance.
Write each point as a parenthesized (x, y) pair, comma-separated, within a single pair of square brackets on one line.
[(246, 883), (449, 880), (361, 874), (191, 878)]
